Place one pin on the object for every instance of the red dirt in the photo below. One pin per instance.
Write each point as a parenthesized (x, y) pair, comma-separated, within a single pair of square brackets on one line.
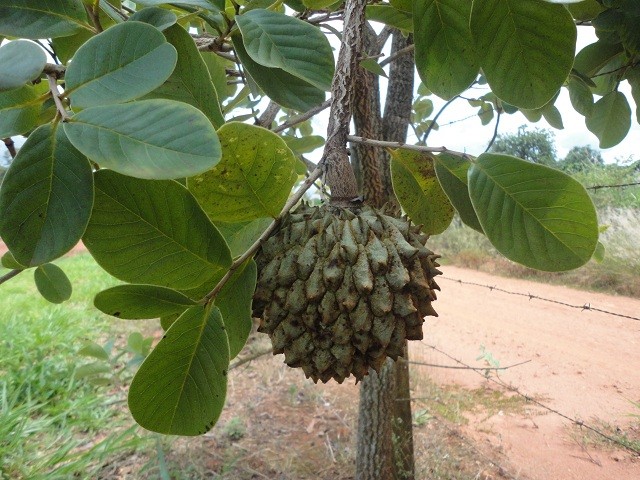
[(583, 364)]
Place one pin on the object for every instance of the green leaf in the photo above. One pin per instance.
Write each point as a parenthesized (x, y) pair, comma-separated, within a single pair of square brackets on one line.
[(318, 4), (240, 236), (144, 231), (9, 261), (373, 66), (124, 62), (581, 96), (190, 81), (52, 283), (585, 10), (532, 214), (452, 175), (167, 321), (92, 369), (161, 18), (445, 55), (92, 349), (404, 5), (136, 302), (46, 198), (42, 18), (633, 76), (253, 179), (599, 253), (181, 386), (485, 113), (234, 302), (592, 58), (305, 144), (526, 48), (390, 16), (282, 87), (155, 139), (610, 120), (217, 70), (207, 5), (19, 110), (419, 192), (20, 62), (552, 115), (273, 40)]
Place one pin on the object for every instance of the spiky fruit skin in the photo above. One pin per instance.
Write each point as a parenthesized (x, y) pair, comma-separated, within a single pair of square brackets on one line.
[(339, 290)]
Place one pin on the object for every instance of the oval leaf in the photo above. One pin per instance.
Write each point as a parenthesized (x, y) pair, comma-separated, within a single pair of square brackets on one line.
[(9, 261), (234, 302), (534, 215), (122, 63), (445, 55), (240, 236), (190, 81), (137, 302), (42, 19), (155, 139), (452, 175), (19, 110), (581, 96), (283, 88), (46, 197), (52, 283), (144, 231), (526, 48), (273, 40), (161, 18), (181, 386), (419, 192), (20, 62), (253, 179), (390, 16), (610, 119)]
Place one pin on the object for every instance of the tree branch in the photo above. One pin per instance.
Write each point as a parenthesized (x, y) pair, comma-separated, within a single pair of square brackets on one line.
[(292, 122), (403, 51), (406, 146), (10, 275), (495, 131), (55, 71), (293, 200), (53, 87), (11, 146)]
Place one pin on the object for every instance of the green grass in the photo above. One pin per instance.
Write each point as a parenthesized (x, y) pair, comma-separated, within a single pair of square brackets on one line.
[(51, 424)]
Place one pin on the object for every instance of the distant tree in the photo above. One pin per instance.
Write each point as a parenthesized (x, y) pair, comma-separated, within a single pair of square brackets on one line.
[(581, 158), (533, 145)]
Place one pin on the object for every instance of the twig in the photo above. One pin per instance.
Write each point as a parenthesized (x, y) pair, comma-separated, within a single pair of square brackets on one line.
[(9, 275), (94, 15), (620, 185), (416, 148), (11, 146), (53, 70), (402, 51), (293, 200), (269, 115), (250, 358), (495, 131), (53, 86), (302, 117)]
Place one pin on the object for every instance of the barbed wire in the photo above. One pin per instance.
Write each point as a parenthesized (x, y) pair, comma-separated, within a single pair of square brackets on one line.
[(530, 296), (619, 185), (498, 381)]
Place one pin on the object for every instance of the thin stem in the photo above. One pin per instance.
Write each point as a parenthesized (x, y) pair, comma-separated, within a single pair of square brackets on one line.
[(56, 71), (406, 146), (53, 87), (292, 122), (10, 275), (11, 146), (293, 200), (495, 131), (435, 119), (391, 58), (94, 15)]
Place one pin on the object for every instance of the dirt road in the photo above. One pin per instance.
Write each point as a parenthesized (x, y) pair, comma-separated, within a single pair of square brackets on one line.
[(582, 363)]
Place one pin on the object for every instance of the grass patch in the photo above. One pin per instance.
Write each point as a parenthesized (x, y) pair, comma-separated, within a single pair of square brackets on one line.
[(53, 425)]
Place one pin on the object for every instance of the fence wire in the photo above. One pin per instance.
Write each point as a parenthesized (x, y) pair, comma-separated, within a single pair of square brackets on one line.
[(530, 296)]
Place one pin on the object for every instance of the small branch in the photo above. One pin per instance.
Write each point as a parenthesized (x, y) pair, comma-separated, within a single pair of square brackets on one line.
[(269, 115), (495, 131), (94, 15), (293, 200), (55, 71), (292, 122), (435, 119), (250, 358), (11, 146), (619, 185), (402, 51), (416, 148), (10, 275), (53, 86)]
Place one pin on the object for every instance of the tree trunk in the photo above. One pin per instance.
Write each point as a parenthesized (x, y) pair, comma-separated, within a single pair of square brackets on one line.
[(385, 436)]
